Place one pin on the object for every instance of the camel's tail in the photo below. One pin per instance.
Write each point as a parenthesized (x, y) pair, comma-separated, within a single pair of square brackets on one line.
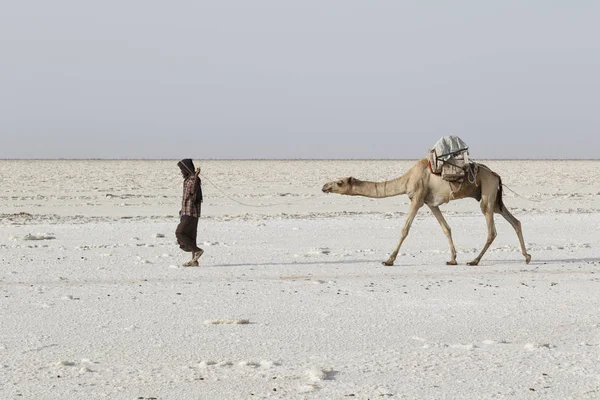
[(499, 202)]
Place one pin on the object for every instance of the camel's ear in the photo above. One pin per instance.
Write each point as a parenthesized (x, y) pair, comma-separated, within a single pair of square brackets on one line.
[(350, 181)]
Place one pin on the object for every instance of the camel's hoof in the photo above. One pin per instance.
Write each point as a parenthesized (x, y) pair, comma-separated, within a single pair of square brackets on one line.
[(527, 258), (388, 263), (451, 262), (474, 262)]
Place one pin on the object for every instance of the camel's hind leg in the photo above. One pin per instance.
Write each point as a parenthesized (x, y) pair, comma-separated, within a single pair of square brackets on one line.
[(489, 219), (414, 208), (447, 231), (516, 224)]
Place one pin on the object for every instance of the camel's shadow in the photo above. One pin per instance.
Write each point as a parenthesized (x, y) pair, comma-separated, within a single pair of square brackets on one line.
[(378, 262), (565, 260)]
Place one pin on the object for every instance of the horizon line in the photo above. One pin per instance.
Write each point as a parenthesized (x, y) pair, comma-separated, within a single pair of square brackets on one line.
[(279, 159)]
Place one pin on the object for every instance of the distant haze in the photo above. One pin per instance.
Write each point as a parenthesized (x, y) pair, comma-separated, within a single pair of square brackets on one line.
[(298, 79)]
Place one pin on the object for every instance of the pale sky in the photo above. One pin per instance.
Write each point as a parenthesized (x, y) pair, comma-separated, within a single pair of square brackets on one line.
[(298, 79)]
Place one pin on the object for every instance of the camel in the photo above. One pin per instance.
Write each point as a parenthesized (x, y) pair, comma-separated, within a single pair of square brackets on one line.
[(424, 187)]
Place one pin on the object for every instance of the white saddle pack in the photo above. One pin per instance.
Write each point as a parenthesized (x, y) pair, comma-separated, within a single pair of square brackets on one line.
[(449, 158)]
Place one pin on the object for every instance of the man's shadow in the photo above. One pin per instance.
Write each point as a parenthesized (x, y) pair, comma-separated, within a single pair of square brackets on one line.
[(275, 264)]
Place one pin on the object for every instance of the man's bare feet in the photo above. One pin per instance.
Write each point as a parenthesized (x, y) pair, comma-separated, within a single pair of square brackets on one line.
[(191, 263), (194, 261), (197, 255)]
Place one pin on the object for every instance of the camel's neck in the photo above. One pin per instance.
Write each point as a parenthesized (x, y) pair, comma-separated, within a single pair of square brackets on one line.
[(379, 190)]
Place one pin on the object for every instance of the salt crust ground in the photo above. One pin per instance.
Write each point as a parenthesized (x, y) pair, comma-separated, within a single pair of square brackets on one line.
[(94, 305)]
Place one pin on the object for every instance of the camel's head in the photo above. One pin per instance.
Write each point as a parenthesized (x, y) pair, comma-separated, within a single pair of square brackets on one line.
[(342, 186)]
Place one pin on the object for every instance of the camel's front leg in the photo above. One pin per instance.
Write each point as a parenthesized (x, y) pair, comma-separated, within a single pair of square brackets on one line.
[(447, 231), (489, 219), (414, 208)]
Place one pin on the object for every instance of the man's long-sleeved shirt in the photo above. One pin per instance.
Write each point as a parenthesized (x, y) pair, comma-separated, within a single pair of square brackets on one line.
[(190, 206)]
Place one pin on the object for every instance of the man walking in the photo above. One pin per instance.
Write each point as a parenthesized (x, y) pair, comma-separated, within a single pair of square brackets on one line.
[(190, 211)]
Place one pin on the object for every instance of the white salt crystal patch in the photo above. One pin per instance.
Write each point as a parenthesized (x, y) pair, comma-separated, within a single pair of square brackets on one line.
[(250, 364), (225, 364), (318, 374), (39, 236), (307, 388), (65, 363), (67, 297), (173, 266), (206, 364), (489, 342), (317, 252), (385, 391), (534, 346), (469, 346), (266, 363), (227, 321), (84, 370), (86, 360)]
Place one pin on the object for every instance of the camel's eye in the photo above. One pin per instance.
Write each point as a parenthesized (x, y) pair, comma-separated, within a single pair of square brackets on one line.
[(340, 183)]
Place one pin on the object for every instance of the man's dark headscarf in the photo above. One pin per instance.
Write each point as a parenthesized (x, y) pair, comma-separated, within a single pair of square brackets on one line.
[(187, 168)]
